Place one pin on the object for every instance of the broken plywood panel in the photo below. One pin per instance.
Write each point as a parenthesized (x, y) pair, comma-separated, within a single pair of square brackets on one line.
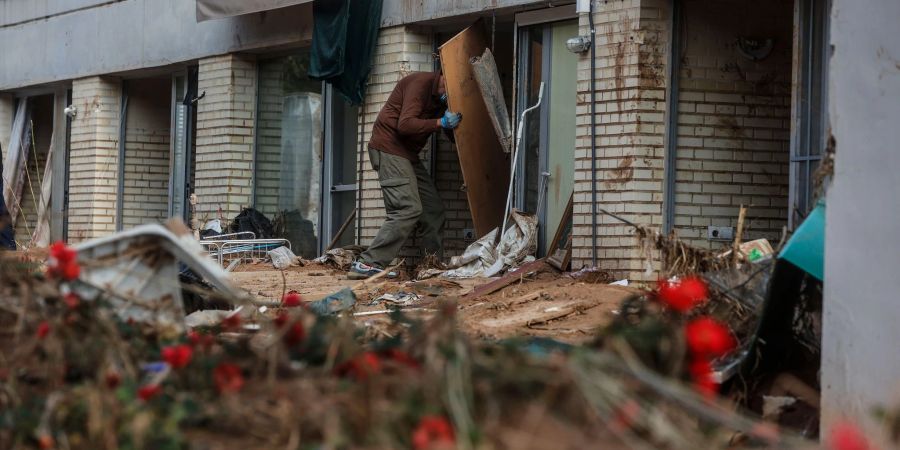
[(485, 69), (484, 164)]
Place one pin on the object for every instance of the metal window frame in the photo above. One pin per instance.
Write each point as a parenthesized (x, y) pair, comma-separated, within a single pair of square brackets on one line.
[(120, 177), (811, 24), (671, 137)]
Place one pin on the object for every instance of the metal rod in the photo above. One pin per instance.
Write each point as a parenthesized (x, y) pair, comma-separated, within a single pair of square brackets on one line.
[(512, 170), (340, 232)]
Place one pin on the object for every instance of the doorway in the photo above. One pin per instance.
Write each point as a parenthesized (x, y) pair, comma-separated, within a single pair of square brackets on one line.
[(547, 164)]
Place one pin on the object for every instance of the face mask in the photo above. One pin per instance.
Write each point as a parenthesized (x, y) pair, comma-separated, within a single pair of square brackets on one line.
[(444, 99)]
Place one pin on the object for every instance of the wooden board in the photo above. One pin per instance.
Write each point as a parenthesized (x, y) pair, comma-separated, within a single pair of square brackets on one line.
[(560, 252), (484, 164)]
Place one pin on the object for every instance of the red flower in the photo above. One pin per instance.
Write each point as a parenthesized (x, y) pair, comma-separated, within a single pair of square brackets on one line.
[(43, 330), (683, 295), (432, 430), (112, 379), (847, 436), (291, 299), (177, 356), (701, 373), (707, 338), (228, 378), (71, 300), (361, 366), (231, 322), (62, 253), (148, 391), (63, 262)]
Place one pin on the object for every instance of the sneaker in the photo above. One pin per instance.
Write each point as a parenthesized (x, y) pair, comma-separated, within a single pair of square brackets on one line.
[(360, 271)]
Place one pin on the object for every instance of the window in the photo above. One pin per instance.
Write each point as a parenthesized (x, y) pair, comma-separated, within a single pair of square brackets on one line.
[(288, 169)]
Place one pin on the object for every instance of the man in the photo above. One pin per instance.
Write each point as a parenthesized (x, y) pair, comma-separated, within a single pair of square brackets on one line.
[(415, 109)]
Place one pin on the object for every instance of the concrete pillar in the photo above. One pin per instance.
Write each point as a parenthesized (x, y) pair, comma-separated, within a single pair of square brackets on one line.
[(400, 51), (631, 75), (860, 362), (93, 164), (7, 115), (225, 124)]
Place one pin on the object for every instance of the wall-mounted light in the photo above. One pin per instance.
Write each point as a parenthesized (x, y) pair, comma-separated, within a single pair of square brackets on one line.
[(71, 111), (578, 44)]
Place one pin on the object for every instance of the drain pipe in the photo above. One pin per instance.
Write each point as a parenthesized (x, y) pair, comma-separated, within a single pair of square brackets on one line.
[(593, 135)]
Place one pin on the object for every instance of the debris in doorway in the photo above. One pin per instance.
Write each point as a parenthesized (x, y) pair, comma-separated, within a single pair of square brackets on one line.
[(282, 257), (211, 228), (483, 258), (252, 220)]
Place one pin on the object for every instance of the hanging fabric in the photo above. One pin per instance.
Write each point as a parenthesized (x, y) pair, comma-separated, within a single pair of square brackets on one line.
[(344, 37)]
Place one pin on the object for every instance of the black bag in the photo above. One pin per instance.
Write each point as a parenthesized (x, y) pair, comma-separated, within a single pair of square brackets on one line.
[(252, 220)]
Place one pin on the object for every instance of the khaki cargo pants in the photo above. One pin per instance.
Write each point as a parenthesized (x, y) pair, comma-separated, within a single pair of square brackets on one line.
[(411, 200)]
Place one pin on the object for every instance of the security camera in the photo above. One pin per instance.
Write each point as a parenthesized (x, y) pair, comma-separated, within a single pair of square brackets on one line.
[(71, 111), (578, 44)]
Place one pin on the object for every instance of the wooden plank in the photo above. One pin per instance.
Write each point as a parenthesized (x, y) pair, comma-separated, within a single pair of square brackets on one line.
[(523, 272), (484, 164), (560, 251)]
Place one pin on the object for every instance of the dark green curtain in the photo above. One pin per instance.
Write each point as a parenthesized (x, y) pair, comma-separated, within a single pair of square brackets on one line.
[(344, 36)]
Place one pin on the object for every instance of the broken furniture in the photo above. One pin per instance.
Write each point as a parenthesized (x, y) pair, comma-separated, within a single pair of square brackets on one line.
[(137, 271), (237, 247)]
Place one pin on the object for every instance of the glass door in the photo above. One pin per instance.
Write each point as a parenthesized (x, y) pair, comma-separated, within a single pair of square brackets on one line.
[(341, 150), (546, 167)]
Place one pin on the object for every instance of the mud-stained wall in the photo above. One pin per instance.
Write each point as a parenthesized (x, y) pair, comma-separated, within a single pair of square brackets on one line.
[(733, 119)]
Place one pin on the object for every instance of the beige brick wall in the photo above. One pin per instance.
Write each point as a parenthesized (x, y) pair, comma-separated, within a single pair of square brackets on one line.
[(631, 77), (225, 123), (93, 157), (734, 120), (147, 135)]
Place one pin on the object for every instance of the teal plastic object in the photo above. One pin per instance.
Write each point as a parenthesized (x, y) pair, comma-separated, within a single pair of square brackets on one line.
[(806, 248)]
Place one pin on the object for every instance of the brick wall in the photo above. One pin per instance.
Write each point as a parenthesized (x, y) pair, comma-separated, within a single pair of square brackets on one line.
[(225, 122), (147, 136), (631, 46), (93, 157), (734, 120)]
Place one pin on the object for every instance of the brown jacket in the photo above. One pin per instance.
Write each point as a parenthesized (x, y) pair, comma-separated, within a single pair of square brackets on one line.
[(409, 116)]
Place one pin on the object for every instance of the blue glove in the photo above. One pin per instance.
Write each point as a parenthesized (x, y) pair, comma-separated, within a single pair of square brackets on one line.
[(450, 120)]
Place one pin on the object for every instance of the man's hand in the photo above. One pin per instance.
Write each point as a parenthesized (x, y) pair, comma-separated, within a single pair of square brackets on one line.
[(450, 120)]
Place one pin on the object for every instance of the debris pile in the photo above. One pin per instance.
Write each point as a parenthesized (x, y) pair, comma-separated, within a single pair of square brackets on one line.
[(77, 375)]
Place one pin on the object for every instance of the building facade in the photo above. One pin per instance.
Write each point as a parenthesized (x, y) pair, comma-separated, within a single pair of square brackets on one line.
[(682, 112)]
